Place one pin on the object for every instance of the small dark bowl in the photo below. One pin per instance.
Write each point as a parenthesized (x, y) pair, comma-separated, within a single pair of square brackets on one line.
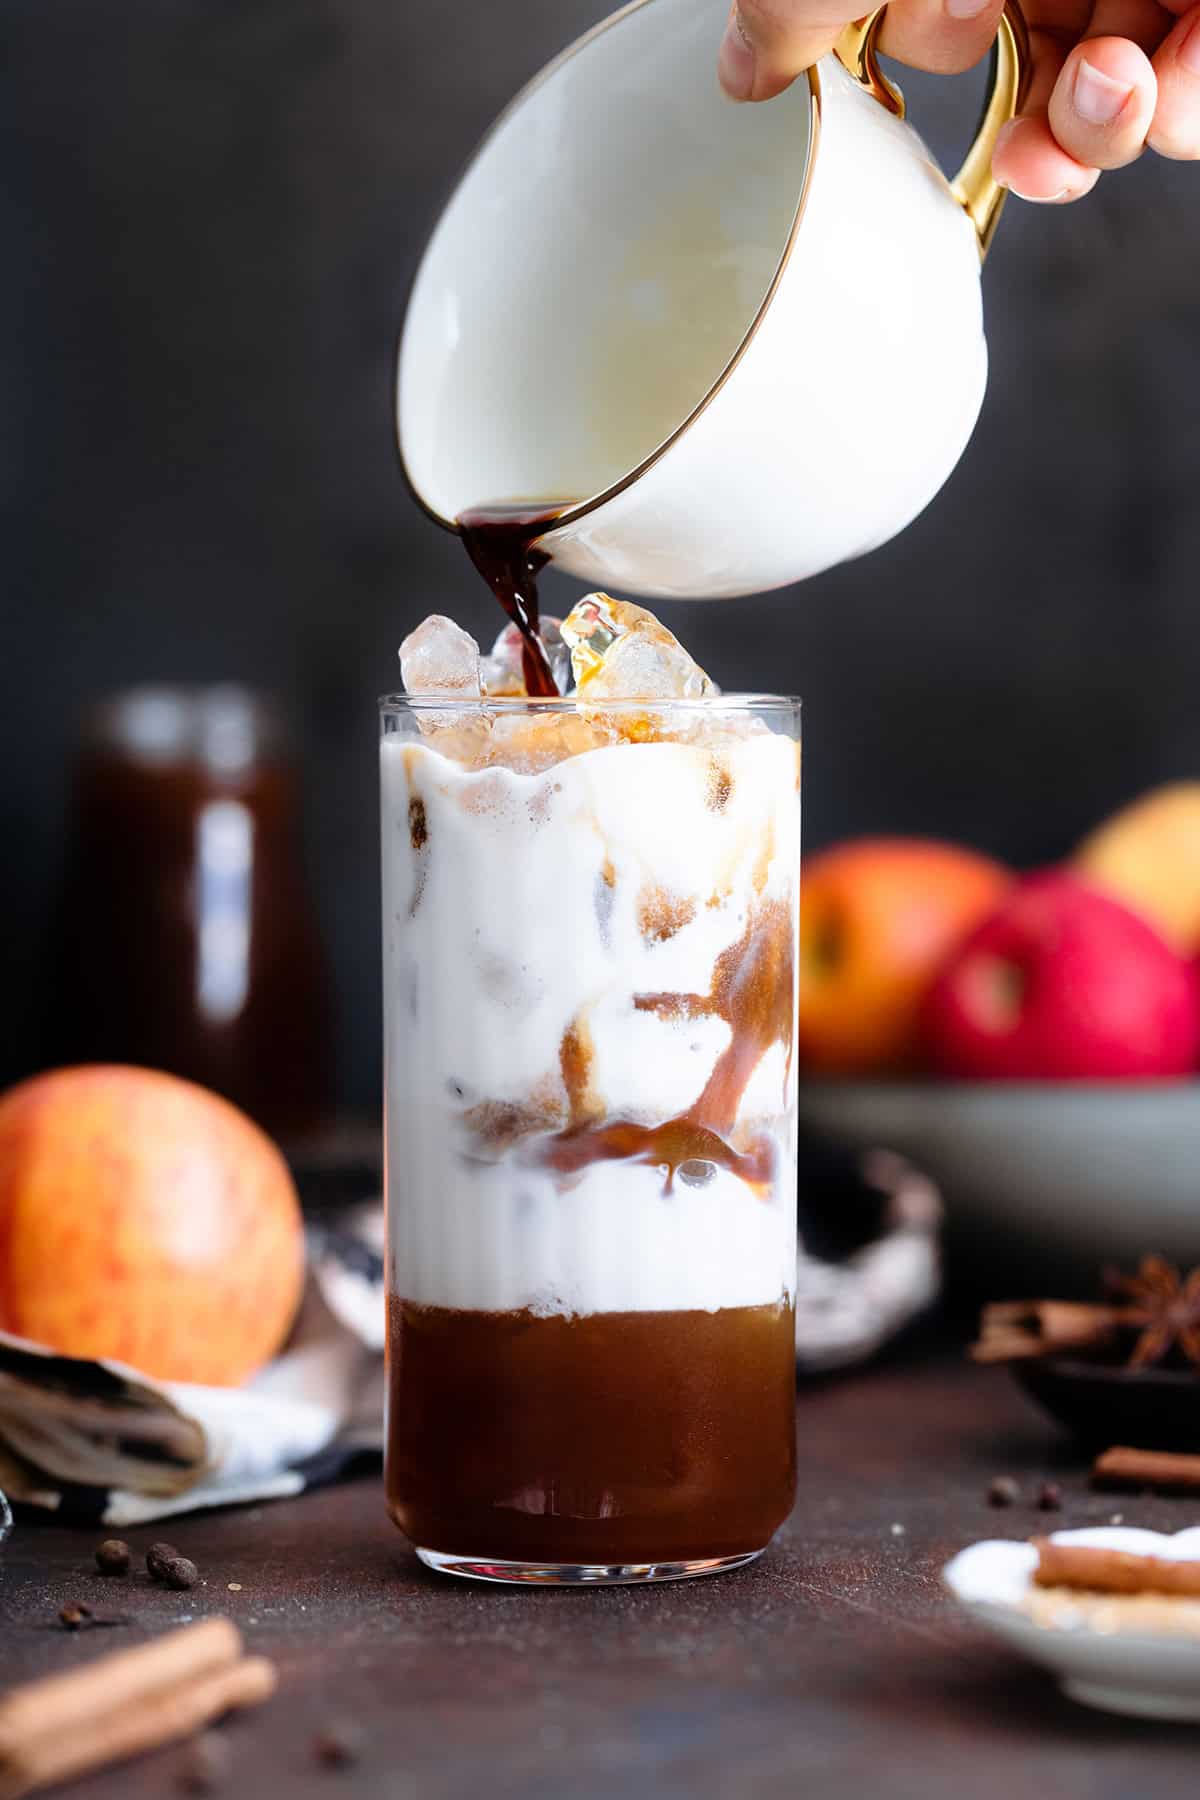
[(1104, 1404)]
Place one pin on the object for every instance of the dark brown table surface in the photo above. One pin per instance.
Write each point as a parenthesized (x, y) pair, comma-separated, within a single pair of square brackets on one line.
[(836, 1666)]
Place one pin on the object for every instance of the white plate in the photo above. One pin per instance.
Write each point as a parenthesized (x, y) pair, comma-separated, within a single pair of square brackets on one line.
[(1144, 1675), (1038, 1177)]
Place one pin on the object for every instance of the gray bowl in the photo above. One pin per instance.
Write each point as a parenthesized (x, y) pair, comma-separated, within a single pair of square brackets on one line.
[(1042, 1181)]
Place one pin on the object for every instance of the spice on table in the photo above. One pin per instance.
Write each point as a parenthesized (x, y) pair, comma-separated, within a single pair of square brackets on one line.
[(1113, 1571), (125, 1703), (1125, 1467), (75, 1616), (113, 1557), (179, 1572), (1003, 1491), (338, 1745), (156, 1556), (1049, 1497), (206, 1764)]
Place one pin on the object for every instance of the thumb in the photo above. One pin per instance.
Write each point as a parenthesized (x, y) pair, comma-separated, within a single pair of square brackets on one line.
[(768, 43)]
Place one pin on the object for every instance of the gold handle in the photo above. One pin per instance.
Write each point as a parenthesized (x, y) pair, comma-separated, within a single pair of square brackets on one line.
[(974, 187)]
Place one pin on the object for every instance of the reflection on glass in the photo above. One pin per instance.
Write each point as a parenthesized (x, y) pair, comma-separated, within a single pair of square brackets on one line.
[(224, 868)]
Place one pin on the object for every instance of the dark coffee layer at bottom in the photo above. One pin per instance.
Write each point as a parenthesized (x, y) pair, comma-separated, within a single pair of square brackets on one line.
[(609, 1438)]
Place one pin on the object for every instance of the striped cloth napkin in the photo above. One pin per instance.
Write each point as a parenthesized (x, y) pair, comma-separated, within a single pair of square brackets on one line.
[(93, 1439)]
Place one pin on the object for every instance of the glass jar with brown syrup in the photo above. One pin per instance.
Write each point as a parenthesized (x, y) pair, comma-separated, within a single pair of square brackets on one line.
[(186, 938)]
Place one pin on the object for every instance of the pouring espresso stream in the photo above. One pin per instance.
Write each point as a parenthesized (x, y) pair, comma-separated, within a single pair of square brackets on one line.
[(500, 542)]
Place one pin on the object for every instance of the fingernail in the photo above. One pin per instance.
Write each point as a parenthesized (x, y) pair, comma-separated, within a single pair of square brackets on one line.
[(735, 64), (1043, 199), (966, 9), (1097, 98), (1188, 53)]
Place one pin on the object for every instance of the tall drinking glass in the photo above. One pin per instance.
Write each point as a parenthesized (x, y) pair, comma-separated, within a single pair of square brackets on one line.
[(590, 918)]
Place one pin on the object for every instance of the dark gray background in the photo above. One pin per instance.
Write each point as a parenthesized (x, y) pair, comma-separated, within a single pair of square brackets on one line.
[(209, 211)]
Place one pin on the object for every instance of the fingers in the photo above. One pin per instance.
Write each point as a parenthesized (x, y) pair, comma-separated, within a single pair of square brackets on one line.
[(1093, 109), (1086, 111), (1028, 160), (1141, 21), (768, 43), (945, 36), (1175, 130), (1103, 102)]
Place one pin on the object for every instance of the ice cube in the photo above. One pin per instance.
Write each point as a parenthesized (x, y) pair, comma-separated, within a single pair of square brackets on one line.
[(530, 745), (622, 652), (503, 670), (558, 654), (439, 657), (500, 681)]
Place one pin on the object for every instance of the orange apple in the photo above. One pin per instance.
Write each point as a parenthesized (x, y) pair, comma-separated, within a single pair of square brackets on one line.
[(878, 916), (1148, 855), (144, 1219)]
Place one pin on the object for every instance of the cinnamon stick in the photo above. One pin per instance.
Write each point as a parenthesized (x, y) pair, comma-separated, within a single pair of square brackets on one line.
[(1126, 1467), (1113, 1571), (1013, 1330), (160, 1718), (120, 1679), (125, 1703)]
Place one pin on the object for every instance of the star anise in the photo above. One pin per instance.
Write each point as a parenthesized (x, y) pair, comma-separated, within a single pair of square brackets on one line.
[(1163, 1306)]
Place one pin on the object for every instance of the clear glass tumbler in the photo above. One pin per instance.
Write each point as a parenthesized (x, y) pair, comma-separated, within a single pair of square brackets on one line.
[(590, 923)]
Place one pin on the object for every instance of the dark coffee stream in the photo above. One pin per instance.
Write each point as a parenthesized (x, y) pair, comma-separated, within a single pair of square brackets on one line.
[(500, 542)]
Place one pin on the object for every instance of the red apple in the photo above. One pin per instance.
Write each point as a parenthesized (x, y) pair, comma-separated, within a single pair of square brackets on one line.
[(1063, 983)]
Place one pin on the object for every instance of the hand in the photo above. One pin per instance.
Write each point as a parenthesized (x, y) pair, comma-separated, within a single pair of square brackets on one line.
[(1109, 76)]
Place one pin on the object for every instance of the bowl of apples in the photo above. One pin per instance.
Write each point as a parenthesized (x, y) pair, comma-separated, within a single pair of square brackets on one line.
[(1031, 1041)]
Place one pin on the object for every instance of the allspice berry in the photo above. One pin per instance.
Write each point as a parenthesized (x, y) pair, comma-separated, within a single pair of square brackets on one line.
[(157, 1556), (179, 1572), (113, 1557), (338, 1744)]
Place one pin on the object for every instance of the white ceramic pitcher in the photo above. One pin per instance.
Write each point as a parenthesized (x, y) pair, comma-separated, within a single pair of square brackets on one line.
[(735, 344)]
